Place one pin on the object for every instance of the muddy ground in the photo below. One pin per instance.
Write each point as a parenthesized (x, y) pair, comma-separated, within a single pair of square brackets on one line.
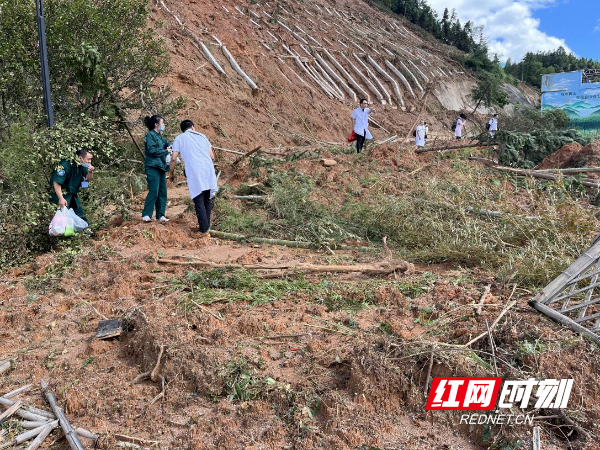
[(321, 361)]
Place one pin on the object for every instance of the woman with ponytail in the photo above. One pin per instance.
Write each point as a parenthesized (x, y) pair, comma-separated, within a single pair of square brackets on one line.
[(156, 169)]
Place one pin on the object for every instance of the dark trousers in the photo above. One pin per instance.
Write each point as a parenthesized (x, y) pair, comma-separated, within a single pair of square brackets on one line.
[(157, 192), (360, 141), (203, 208)]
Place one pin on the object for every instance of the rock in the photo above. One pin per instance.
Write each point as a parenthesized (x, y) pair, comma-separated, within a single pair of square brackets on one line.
[(328, 162)]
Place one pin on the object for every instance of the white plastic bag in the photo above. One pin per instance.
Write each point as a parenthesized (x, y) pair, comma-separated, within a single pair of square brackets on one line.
[(61, 224), (78, 223)]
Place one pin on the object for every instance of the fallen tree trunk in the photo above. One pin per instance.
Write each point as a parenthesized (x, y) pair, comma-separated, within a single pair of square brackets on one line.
[(369, 269)]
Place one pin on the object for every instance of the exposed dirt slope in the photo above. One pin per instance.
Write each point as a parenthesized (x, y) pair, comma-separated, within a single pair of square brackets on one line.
[(300, 56)]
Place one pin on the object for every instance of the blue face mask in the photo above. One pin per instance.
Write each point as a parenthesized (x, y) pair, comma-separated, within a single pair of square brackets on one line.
[(161, 128), (86, 164)]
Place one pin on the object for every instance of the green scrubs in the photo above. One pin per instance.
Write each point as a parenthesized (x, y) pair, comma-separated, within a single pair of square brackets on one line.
[(69, 175), (156, 169)]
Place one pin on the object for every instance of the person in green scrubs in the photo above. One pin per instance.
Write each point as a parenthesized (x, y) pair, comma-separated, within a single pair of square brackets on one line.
[(68, 178), (156, 168)]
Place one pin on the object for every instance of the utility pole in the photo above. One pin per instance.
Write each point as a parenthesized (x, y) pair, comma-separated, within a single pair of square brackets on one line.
[(39, 9)]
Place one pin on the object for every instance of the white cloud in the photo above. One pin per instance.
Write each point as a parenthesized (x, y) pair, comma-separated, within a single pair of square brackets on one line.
[(597, 26), (509, 25)]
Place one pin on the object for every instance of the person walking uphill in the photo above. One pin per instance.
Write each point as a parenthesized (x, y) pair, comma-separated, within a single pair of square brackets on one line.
[(156, 168), (360, 124), (68, 178), (196, 152)]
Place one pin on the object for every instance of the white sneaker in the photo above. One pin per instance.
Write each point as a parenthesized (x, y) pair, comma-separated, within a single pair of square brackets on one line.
[(163, 219), (146, 219)]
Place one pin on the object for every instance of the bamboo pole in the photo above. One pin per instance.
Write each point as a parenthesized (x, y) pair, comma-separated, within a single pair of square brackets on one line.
[(564, 320), (339, 94)]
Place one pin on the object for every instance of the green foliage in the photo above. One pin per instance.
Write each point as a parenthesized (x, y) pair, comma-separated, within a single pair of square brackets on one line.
[(98, 50), (534, 65), (448, 29), (529, 149), (488, 91), (103, 60), (527, 119)]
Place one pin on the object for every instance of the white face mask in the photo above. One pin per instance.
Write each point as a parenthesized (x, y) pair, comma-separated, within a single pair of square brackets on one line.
[(86, 164)]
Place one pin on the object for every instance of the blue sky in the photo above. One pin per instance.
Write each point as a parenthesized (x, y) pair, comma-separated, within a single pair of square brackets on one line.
[(514, 27), (577, 21)]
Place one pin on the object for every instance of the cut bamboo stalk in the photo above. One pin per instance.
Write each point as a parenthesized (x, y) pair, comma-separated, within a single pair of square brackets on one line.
[(535, 438), (281, 23), (305, 69), (569, 170), (273, 36), (482, 299), (386, 75), (401, 76), (413, 76), (372, 75), (364, 79), (359, 90), (452, 147), (41, 437), (238, 69), (68, 430)]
